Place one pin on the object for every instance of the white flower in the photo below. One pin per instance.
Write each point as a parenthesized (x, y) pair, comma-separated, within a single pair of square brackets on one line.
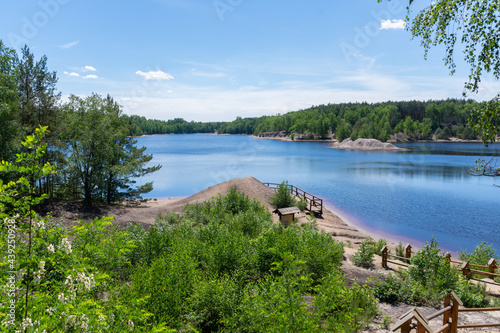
[(26, 323), (102, 318), (84, 323), (130, 324), (51, 248), (41, 271), (40, 224), (66, 245), (61, 298)]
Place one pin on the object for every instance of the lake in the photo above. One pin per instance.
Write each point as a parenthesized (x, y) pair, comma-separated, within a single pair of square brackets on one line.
[(413, 195)]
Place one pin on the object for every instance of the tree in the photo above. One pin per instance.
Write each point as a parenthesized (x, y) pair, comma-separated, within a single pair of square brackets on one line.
[(283, 197), (38, 99), (104, 159), (472, 24), (38, 105), (8, 103)]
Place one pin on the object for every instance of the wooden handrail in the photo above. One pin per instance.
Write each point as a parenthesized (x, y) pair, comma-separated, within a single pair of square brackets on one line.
[(450, 318), (479, 325), (473, 271), (443, 328), (440, 312), (314, 201), (478, 309), (397, 257)]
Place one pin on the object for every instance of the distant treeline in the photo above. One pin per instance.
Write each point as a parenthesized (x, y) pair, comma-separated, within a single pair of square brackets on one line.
[(413, 120), (143, 126)]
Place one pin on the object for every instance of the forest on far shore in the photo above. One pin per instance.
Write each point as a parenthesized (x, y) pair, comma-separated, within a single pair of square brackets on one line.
[(408, 120)]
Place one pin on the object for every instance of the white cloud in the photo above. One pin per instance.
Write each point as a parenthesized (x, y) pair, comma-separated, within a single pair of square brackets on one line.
[(208, 74), (68, 45), (394, 24), (91, 76), (193, 102), (155, 75), (89, 69), (72, 74)]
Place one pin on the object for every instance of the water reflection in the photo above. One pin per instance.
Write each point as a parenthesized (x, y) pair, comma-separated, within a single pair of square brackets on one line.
[(410, 170), (420, 193)]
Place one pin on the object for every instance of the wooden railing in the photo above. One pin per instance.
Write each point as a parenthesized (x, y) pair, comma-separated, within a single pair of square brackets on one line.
[(314, 203), (450, 312), (465, 267)]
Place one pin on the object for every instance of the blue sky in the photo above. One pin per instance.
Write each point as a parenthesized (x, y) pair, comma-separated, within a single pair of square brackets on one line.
[(214, 60)]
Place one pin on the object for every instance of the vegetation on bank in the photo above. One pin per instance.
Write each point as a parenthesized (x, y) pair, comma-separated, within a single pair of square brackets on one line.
[(223, 265)]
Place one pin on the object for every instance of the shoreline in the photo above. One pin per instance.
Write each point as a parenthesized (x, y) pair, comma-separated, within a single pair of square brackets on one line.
[(392, 239), (288, 139), (355, 225)]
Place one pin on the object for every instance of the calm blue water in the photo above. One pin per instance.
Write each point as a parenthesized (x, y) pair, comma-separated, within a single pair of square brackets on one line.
[(415, 195)]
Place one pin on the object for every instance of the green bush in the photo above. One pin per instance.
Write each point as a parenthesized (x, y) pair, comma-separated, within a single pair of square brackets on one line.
[(213, 301), (317, 248), (276, 303), (364, 256), (379, 245), (481, 255), (430, 268), (283, 197), (166, 285), (400, 250), (428, 279), (302, 205), (388, 290), (343, 309)]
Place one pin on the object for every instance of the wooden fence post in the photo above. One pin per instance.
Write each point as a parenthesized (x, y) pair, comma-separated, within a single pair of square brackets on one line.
[(408, 253), (448, 259), (446, 315), (454, 311), (492, 266), (465, 269), (384, 256), (405, 320)]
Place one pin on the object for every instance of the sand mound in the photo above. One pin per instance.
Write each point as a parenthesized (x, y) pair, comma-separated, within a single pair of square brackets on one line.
[(365, 144), (248, 185)]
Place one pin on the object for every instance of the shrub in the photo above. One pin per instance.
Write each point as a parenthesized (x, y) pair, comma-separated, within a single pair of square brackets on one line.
[(379, 245), (471, 294), (302, 205), (481, 254), (167, 283), (317, 248), (428, 279), (283, 197), (400, 250), (430, 268), (342, 309), (364, 256), (214, 300), (389, 290)]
